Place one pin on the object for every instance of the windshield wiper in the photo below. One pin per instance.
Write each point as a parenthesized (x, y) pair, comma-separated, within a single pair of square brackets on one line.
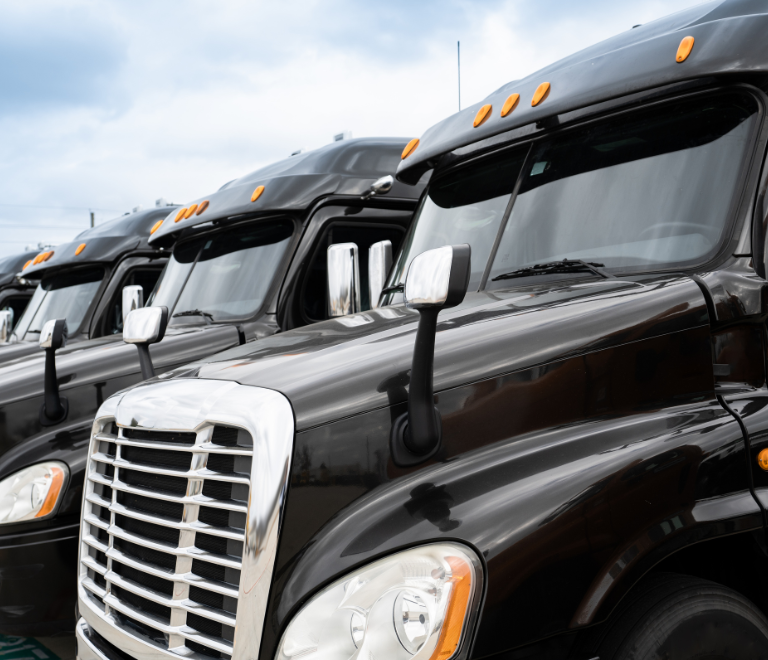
[(393, 289), (564, 266), (195, 312)]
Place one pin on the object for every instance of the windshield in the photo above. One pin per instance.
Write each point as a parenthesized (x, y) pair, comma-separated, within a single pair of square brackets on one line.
[(61, 296), (226, 276), (647, 190), (466, 206)]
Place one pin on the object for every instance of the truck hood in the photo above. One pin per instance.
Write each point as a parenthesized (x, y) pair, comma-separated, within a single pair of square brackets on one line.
[(346, 366)]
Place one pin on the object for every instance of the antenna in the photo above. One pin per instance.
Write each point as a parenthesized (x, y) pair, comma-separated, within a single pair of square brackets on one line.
[(458, 57)]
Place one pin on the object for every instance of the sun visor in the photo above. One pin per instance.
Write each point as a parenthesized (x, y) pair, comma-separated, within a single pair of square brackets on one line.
[(631, 62), (97, 250)]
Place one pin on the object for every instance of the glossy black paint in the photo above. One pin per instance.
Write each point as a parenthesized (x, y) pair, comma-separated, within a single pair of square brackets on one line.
[(727, 39), (91, 371), (15, 292)]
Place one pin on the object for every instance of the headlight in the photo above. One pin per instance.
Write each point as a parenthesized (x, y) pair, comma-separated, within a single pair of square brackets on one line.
[(413, 604), (32, 492)]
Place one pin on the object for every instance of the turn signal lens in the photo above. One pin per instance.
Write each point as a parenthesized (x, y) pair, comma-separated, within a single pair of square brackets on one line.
[(684, 49), (155, 227), (190, 211), (541, 93), (510, 104), (203, 206), (180, 214), (410, 148), (257, 193), (482, 115), (80, 248), (24, 267), (762, 459)]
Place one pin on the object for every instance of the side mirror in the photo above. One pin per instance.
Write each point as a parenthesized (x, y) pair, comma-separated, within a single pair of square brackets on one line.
[(6, 325), (133, 298), (343, 279), (379, 265), (53, 336), (143, 327), (436, 280), (379, 187)]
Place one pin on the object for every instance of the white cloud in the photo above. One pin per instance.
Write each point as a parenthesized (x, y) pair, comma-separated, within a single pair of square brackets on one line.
[(190, 95)]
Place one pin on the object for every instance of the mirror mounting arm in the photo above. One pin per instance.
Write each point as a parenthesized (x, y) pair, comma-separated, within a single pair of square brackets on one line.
[(145, 326), (55, 407)]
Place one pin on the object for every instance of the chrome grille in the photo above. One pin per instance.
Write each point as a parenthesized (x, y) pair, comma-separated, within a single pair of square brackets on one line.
[(164, 523)]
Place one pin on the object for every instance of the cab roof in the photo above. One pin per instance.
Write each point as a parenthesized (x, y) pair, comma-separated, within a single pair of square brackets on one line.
[(729, 37), (103, 243), (12, 265), (347, 167)]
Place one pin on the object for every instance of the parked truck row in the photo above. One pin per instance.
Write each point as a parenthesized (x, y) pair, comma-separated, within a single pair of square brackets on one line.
[(496, 391)]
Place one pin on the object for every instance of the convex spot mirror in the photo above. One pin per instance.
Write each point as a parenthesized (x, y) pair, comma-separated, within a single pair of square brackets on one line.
[(133, 298), (6, 325), (143, 327), (438, 279)]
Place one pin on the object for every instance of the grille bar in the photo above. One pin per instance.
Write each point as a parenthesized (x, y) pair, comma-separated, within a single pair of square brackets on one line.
[(156, 596)]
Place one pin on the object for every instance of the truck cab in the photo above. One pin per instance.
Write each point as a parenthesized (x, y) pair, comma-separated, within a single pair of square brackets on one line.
[(82, 281), (15, 291), (237, 271), (549, 440)]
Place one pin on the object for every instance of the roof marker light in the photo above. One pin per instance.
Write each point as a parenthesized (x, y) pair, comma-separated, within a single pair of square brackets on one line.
[(24, 267), (409, 148), (482, 115), (80, 248), (47, 256), (510, 104), (180, 214), (155, 227), (762, 459), (203, 206), (684, 49), (541, 93), (190, 211), (257, 193)]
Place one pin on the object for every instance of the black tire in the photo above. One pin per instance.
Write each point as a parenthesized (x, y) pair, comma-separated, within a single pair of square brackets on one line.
[(677, 617)]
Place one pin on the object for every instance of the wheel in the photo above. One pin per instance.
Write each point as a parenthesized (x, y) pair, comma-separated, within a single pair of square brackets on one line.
[(677, 617)]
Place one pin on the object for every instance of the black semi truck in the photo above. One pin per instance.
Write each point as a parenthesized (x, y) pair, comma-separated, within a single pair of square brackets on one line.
[(242, 266), (550, 442), (82, 281), (15, 291)]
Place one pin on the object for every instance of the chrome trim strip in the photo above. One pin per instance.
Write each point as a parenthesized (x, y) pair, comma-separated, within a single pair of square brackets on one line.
[(194, 405)]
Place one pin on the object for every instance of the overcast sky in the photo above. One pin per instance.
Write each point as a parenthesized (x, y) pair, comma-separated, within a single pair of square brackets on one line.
[(107, 106)]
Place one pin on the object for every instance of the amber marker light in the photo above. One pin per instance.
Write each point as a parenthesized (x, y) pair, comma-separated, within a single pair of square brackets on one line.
[(203, 206), (684, 49), (24, 267), (409, 148), (482, 115), (257, 193), (541, 93), (762, 459), (510, 104), (155, 227), (450, 636), (57, 481), (180, 214), (48, 255), (190, 211), (80, 248)]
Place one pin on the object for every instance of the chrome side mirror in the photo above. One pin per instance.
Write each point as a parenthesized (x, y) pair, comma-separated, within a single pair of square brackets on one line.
[(379, 187), (53, 336), (6, 325), (343, 279), (133, 298), (143, 327), (379, 265), (436, 280)]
